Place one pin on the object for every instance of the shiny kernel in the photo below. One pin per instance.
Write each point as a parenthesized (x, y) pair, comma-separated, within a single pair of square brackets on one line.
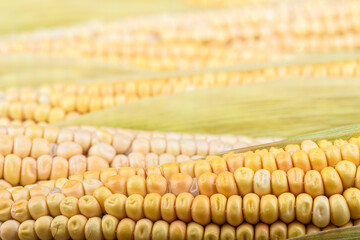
[(136, 185), (287, 207), (279, 182), (183, 205), (296, 180), (253, 161), (352, 196), (262, 231), (152, 205), (347, 173), (26, 230), (200, 210), (269, 209), (268, 162), (251, 208), (304, 206), (226, 185), (284, 161), (321, 212), (317, 158), (218, 208), (332, 181), (301, 160), (193, 231), (143, 229), (278, 231), (156, 184), (89, 206), (296, 229), (245, 232), (339, 210), (350, 152), (160, 230), (313, 183), (109, 225), (180, 182), (234, 214), (244, 180), (262, 182), (134, 207), (125, 229)]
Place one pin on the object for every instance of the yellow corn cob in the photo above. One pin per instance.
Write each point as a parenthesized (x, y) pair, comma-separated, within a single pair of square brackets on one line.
[(270, 213), (155, 199), (79, 227), (194, 40), (52, 103), (174, 179), (218, 209), (217, 3), (43, 161), (29, 154)]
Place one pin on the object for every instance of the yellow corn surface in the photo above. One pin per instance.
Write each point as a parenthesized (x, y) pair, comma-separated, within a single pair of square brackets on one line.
[(33, 153), (338, 209), (108, 227), (209, 179), (280, 192)]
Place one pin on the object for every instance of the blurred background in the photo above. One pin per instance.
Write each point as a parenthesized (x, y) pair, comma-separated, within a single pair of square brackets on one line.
[(256, 68)]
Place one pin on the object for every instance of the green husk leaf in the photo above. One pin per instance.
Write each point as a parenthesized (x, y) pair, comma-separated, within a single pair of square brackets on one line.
[(343, 132), (281, 108), (33, 70), (339, 233), (300, 59), (58, 13)]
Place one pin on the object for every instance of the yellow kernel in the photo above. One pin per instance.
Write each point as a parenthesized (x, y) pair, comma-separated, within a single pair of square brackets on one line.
[(251, 208), (339, 210), (304, 204), (269, 209), (321, 212), (244, 180), (287, 207), (332, 181), (347, 173)]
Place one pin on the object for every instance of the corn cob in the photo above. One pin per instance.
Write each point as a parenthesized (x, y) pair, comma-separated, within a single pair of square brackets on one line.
[(202, 209), (79, 227), (92, 199), (268, 215), (268, 209), (196, 40), (67, 158), (52, 103), (170, 179), (29, 154)]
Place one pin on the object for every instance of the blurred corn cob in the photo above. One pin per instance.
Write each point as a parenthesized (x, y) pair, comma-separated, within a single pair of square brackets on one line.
[(212, 38), (52, 103), (222, 3)]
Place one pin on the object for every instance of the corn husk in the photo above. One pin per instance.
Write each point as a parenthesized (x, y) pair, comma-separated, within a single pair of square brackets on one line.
[(344, 132), (32, 70), (350, 233), (66, 12), (282, 108)]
